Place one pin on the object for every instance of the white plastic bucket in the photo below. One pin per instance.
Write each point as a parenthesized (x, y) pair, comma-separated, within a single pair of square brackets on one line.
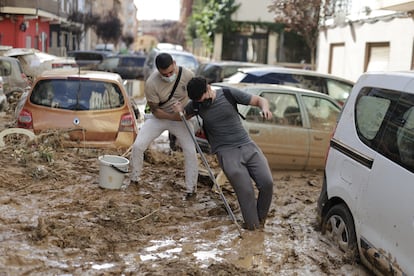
[(112, 171)]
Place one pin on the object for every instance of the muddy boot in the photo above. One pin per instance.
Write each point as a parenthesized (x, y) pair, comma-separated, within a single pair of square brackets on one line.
[(254, 227)]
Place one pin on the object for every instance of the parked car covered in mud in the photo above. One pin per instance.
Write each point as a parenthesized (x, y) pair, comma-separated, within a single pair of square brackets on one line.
[(13, 76), (298, 135), (92, 107), (218, 71), (34, 62), (128, 66), (366, 201), (88, 60), (336, 87)]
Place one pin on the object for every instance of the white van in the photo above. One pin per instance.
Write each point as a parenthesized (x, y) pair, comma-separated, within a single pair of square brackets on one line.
[(366, 202)]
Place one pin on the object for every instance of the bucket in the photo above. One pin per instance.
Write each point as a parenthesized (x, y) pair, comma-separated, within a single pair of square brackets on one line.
[(112, 171)]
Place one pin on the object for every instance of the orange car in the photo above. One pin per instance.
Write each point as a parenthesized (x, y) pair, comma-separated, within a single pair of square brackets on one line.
[(92, 107)]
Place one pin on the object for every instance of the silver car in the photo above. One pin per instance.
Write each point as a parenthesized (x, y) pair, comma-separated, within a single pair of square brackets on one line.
[(336, 87), (182, 58), (13, 75), (298, 135)]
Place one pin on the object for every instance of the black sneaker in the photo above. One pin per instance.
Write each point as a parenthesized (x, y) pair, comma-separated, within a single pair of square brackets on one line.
[(189, 196)]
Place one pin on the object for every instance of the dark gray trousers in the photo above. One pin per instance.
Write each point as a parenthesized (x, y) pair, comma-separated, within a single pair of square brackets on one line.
[(241, 165)]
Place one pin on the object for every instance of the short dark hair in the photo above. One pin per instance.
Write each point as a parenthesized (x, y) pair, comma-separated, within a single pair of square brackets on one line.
[(163, 61), (196, 87)]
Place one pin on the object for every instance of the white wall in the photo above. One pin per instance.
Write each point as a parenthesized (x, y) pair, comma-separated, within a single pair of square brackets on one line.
[(251, 10), (399, 32)]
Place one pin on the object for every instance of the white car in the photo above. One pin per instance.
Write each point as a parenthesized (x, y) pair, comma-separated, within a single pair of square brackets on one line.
[(366, 202), (182, 58), (297, 137), (35, 62)]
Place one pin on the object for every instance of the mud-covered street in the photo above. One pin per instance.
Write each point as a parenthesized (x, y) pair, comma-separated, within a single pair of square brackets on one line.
[(55, 219)]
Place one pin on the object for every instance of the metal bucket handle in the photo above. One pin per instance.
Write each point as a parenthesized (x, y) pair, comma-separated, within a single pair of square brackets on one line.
[(118, 169)]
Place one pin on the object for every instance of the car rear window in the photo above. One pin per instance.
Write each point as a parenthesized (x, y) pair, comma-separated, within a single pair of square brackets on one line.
[(132, 61), (77, 94)]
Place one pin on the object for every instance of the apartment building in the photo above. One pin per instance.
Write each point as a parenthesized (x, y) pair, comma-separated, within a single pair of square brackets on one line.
[(43, 24), (367, 36), (39, 24)]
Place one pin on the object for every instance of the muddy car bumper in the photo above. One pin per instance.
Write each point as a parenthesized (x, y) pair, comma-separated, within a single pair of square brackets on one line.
[(322, 200)]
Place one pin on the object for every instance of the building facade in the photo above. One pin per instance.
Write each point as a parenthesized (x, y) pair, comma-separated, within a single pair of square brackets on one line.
[(367, 36), (39, 24), (258, 39), (44, 24)]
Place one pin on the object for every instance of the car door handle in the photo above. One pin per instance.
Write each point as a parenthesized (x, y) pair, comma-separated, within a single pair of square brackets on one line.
[(317, 138), (254, 131)]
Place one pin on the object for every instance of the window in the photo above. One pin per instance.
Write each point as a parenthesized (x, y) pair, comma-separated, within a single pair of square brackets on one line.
[(323, 114), (277, 78), (5, 68), (339, 7), (132, 61), (77, 95), (110, 63), (370, 114), (338, 90), (211, 72), (186, 61), (310, 82), (284, 107), (405, 138), (385, 122), (337, 60), (377, 56)]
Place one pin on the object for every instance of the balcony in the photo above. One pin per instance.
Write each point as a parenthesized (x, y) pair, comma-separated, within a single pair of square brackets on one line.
[(29, 7)]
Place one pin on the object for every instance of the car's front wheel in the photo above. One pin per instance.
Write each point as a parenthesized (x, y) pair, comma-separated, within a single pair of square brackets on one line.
[(338, 226)]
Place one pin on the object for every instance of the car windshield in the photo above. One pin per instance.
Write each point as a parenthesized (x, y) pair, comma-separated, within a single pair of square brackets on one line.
[(186, 61), (77, 94)]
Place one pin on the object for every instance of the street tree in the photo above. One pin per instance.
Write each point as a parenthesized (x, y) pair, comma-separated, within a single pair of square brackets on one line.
[(173, 32), (109, 28), (302, 17), (210, 17)]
